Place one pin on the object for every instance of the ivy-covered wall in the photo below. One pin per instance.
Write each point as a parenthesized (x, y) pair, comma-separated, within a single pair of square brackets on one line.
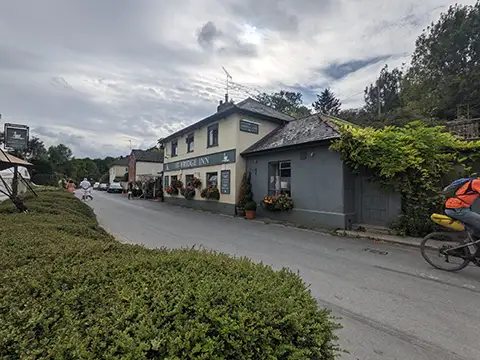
[(416, 160)]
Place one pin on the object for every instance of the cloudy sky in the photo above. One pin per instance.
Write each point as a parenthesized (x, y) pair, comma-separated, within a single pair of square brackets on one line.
[(95, 74)]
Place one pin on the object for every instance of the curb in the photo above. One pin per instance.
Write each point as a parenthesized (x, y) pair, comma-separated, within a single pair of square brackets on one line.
[(405, 241)]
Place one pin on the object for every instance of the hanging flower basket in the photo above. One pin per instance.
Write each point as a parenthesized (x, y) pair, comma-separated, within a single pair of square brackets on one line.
[(189, 192), (196, 183), (171, 190)]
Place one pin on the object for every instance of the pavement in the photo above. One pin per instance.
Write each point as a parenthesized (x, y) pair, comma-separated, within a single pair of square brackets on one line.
[(392, 304)]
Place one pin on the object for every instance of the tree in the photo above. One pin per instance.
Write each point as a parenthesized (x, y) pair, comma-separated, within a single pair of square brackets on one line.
[(36, 148), (287, 102), (327, 103), (445, 67), (384, 95), (59, 156)]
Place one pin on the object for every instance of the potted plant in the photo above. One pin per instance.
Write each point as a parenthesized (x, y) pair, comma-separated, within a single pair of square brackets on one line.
[(250, 209), (240, 208), (250, 205), (189, 192)]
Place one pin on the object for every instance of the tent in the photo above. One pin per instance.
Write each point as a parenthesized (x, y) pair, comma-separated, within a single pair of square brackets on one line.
[(7, 164)]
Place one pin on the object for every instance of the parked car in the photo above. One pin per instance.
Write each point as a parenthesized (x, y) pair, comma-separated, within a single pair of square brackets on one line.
[(96, 185), (103, 187), (114, 188)]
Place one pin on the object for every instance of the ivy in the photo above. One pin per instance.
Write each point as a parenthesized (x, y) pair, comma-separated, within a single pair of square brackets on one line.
[(416, 160)]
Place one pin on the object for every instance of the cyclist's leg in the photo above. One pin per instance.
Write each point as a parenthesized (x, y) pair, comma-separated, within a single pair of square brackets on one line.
[(470, 218)]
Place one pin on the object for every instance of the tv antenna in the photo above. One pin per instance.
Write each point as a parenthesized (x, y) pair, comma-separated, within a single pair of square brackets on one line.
[(228, 77)]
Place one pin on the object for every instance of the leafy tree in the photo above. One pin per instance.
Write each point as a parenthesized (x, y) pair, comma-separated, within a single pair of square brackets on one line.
[(59, 156), (384, 93), (445, 67), (327, 103), (36, 148), (287, 102)]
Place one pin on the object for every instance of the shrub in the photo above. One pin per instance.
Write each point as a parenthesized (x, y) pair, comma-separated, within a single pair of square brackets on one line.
[(44, 179), (69, 290), (241, 191)]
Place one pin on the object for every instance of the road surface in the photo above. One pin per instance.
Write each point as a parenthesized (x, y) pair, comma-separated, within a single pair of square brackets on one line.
[(392, 304)]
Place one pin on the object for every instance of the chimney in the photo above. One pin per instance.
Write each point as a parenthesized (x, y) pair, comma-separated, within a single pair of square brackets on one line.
[(224, 105)]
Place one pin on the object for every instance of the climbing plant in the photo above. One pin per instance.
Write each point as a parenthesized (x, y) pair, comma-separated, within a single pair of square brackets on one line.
[(416, 160)]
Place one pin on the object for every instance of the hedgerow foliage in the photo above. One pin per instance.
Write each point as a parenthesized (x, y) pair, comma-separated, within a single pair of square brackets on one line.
[(68, 290), (416, 160)]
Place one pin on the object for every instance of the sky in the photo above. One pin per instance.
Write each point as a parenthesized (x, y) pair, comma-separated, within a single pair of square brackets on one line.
[(99, 75)]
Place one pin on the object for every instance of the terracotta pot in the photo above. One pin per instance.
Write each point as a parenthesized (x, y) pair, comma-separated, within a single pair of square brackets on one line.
[(250, 214)]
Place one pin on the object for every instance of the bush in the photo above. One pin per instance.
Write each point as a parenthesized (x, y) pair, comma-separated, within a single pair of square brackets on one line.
[(44, 179), (69, 290)]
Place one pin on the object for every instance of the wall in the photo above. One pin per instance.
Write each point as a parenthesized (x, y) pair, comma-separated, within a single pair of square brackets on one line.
[(229, 137), (317, 186), (117, 171), (147, 168)]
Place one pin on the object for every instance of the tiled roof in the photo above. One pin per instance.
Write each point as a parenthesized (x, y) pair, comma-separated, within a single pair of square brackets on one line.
[(254, 106), (248, 106), (148, 156), (121, 162), (314, 128)]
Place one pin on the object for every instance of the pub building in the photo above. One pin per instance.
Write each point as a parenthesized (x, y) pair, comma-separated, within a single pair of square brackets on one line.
[(210, 149)]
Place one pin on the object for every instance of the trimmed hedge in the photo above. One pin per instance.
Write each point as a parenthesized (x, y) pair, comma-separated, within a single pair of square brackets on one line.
[(69, 290)]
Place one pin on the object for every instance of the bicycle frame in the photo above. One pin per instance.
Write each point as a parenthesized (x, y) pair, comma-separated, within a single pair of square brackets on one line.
[(474, 243)]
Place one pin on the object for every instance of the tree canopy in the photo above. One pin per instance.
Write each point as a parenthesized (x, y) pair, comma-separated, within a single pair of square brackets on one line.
[(327, 103), (287, 102)]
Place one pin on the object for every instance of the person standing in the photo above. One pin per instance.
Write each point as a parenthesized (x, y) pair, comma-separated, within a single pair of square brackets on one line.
[(86, 186)]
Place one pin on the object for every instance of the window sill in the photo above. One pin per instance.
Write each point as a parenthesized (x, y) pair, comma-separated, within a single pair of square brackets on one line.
[(211, 146), (189, 152)]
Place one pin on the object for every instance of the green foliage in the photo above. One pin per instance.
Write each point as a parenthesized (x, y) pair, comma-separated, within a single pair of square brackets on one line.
[(210, 193), (327, 103), (445, 67), (69, 290), (241, 191), (385, 93), (44, 179), (416, 160), (287, 102), (250, 204)]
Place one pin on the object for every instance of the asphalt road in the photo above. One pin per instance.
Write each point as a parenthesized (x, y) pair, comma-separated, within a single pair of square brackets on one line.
[(392, 304)]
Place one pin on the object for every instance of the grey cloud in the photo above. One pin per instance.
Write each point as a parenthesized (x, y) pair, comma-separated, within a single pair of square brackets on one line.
[(225, 43), (338, 71)]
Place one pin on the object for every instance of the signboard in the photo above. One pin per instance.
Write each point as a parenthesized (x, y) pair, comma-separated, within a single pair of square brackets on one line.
[(16, 136), (248, 126), (225, 182), (225, 157)]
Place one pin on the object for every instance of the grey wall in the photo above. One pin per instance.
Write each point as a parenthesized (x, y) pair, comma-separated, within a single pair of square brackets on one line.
[(317, 186)]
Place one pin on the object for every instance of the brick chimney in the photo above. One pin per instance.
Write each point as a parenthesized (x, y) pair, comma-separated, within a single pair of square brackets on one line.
[(224, 105)]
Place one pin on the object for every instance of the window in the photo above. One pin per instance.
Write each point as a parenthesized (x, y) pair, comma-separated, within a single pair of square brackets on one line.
[(279, 178), (174, 148), (212, 132), (166, 183), (173, 179), (190, 143), (212, 179), (189, 179)]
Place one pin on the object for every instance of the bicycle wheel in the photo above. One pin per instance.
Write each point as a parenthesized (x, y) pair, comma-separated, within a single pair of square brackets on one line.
[(434, 249)]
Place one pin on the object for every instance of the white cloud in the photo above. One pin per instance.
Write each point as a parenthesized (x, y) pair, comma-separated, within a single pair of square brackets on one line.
[(96, 74)]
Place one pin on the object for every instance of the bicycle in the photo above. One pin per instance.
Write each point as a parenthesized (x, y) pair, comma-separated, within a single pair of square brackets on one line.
[(464, 251)]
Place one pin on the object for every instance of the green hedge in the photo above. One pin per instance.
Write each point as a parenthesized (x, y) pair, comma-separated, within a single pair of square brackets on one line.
[(69, 290)]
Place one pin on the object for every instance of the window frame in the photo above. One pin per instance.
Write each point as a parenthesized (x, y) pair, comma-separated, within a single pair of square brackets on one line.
[(209, 128), (190, 140), (287, 165), (187, 176), (174, 153), (207, 178)]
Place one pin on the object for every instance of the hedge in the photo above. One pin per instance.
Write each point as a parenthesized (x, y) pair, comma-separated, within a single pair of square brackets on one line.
[(69, 290)]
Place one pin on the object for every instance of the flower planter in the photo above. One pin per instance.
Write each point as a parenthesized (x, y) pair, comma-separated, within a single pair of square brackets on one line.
[(240, 211), (250, 214)]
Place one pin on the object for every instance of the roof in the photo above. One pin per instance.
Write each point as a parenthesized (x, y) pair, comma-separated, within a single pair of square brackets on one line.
[(124, 161), (314, 128), (148, 156), (248, 106), (7, 161)]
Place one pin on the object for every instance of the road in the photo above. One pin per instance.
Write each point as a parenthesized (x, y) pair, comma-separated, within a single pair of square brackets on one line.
[(392, 304)]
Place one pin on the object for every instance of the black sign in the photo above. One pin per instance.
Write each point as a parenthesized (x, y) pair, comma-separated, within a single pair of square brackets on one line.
[(225, 157), (225, 182), (16, 136), (248, 126)]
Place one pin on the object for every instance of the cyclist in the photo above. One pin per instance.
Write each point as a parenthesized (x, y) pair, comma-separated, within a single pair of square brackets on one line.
[(463, 193)]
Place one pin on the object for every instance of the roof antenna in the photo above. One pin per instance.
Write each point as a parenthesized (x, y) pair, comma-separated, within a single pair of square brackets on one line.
[(228, 77)]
